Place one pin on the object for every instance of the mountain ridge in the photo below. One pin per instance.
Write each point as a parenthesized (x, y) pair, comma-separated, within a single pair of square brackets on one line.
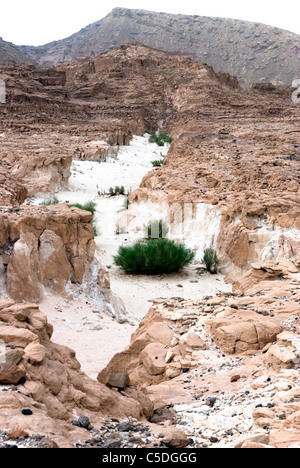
[(254, 52)]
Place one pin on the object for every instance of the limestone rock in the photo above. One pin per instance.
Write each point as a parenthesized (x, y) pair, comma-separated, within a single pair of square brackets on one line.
[(103, 279), (34, 353), (153, 358)]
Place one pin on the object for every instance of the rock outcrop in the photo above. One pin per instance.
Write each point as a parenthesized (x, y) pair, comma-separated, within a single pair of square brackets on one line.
[(42, 386), (44, 247), (228, 364)]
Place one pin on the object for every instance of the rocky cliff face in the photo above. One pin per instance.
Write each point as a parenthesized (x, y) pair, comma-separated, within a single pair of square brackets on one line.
[(253, 52)]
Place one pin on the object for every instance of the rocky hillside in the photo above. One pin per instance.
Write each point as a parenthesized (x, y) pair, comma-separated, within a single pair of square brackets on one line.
[(230, 363), (234, 152), (10, 53), (253, 52)]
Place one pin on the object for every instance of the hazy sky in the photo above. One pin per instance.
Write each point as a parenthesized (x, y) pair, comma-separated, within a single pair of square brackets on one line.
[(34, 22)]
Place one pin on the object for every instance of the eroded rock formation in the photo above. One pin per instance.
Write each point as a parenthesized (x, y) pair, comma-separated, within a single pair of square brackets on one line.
[(45, 379), (229, 364)]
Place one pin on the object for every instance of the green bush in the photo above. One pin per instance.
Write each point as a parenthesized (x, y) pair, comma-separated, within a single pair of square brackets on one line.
[(160, 139), (157, 162), (211, 261), (96, 230), (89, 206), (50, 201), (117, 190), (156, 229), (126, 203), (155, 257)]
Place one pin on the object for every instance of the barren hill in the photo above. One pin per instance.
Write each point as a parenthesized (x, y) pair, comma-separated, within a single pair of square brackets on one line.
[(254, 52), (10, 53)]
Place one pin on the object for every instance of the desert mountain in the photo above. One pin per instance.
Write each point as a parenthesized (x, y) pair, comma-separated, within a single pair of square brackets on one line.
[(11, 53), (254, 52)]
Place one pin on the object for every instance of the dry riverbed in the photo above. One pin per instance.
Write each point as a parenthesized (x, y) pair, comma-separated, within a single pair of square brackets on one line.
[(81, 323)]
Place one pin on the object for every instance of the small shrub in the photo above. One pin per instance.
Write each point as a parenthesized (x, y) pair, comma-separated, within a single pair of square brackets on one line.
[(117, 190), (96, 230), (210, 260), (126, 203), (156, 230), (50, 201), (89, 206), (155, 257), (152, 139), (111, 141), (157, 162), (160, 139)]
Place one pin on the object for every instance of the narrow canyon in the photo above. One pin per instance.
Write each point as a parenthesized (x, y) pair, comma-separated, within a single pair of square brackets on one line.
[(93, 356)]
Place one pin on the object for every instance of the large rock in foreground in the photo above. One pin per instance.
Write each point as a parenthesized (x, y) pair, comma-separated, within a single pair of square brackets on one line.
[(49, 381)]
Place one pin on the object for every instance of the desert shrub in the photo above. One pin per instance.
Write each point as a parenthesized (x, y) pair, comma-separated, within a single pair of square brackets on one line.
[(111, 141), (156, 229), (155, 257), (157, 162), (160, 139), (210, 260), (96, 230), (89, 206), (50, 201), (117, 190), (126, 203)]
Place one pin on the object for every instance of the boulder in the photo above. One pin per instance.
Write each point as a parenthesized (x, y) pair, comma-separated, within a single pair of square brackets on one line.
[(153, 358)]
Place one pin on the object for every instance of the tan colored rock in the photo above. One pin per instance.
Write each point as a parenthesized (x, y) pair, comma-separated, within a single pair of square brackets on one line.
[(153, 358), (54, 387), (174, 438), (238, 336), (285, 438), (17, 434), (11, 375), (103, 279), (263, 416), (294, 419), (35, 353), (19, 337), (256, 438), (190, 342)]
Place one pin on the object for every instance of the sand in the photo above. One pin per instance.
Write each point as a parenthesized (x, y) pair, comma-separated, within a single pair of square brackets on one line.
[(79, 323)]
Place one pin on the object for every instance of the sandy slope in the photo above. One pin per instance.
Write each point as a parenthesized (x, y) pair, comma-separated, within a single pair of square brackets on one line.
[(94, 335)]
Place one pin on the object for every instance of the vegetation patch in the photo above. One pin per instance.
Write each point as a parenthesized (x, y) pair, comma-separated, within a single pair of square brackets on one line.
[(160, 139), (89, 206), (157, 162), (117, 190), (50, 201), (154, 257), (210, 260)]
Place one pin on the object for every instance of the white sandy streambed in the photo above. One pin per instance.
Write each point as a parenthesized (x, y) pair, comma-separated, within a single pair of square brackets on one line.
[(73, 319)]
